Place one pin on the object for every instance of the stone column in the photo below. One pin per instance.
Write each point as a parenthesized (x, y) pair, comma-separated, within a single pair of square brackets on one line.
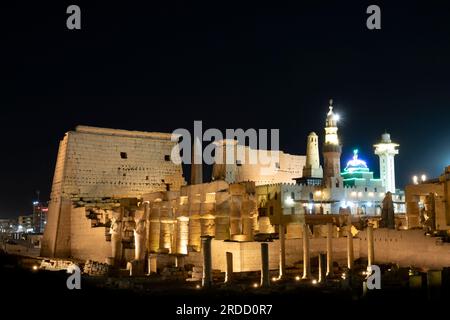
[(306, 256), (179, 261), (434, 284), (322, 266), (222, 228), (116, 237), (370, 246), (139, 240), (165, 239), (247, 227), (281, 230), (207, 261), (229, 274), (147, 227), (152, 263), (350, 254), (235, 224), (183, 235), (329, 249), (154, 229), (194, 232), (207, 225), (265, 282), (174, 236)]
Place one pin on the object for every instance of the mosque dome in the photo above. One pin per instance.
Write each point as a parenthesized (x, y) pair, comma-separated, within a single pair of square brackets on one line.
[(356, 164)]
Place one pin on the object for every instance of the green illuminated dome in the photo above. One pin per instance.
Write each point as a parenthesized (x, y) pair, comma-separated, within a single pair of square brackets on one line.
[(356, 165)]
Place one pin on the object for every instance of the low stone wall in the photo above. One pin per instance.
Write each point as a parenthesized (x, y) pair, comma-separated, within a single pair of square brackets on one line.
[(404, 247), (407, 248), (55, 264), (247, 255), (94, 268)]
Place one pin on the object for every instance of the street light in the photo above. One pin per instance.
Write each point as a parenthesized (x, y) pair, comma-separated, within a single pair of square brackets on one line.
[(423, 178), (415, 180)]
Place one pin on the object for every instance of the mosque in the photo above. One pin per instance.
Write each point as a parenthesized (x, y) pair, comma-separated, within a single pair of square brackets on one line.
[(313, 189)]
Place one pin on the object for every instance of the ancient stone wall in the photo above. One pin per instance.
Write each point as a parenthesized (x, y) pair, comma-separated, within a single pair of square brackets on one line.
[(101, 163), (87, 243), (407, 248), (117, 163), (247, 255), (270, 167)]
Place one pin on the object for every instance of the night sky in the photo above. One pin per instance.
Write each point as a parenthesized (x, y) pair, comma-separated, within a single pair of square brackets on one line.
[(160, 67)]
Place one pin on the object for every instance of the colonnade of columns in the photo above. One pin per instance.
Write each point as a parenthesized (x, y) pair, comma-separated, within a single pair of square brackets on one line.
[(158, 233)]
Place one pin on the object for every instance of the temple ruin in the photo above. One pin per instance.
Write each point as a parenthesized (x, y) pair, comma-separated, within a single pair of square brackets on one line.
[(118, 197)]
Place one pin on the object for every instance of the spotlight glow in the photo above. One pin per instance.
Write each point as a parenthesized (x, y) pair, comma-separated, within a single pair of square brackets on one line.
[(289, 201)]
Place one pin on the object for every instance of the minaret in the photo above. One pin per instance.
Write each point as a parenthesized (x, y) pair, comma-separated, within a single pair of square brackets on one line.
[(386, 151), (312, 168), (331, 148)]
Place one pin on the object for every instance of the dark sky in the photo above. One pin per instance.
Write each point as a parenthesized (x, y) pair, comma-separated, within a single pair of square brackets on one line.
[(160, 67)]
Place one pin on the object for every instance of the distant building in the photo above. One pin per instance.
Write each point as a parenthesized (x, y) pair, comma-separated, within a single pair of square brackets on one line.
[(8, 226), (40, 210), (26, 224), (428, 203)]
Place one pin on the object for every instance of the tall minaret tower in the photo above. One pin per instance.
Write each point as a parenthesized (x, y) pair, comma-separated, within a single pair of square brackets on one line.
[(387, 150), (331, 148), (312, 168)]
